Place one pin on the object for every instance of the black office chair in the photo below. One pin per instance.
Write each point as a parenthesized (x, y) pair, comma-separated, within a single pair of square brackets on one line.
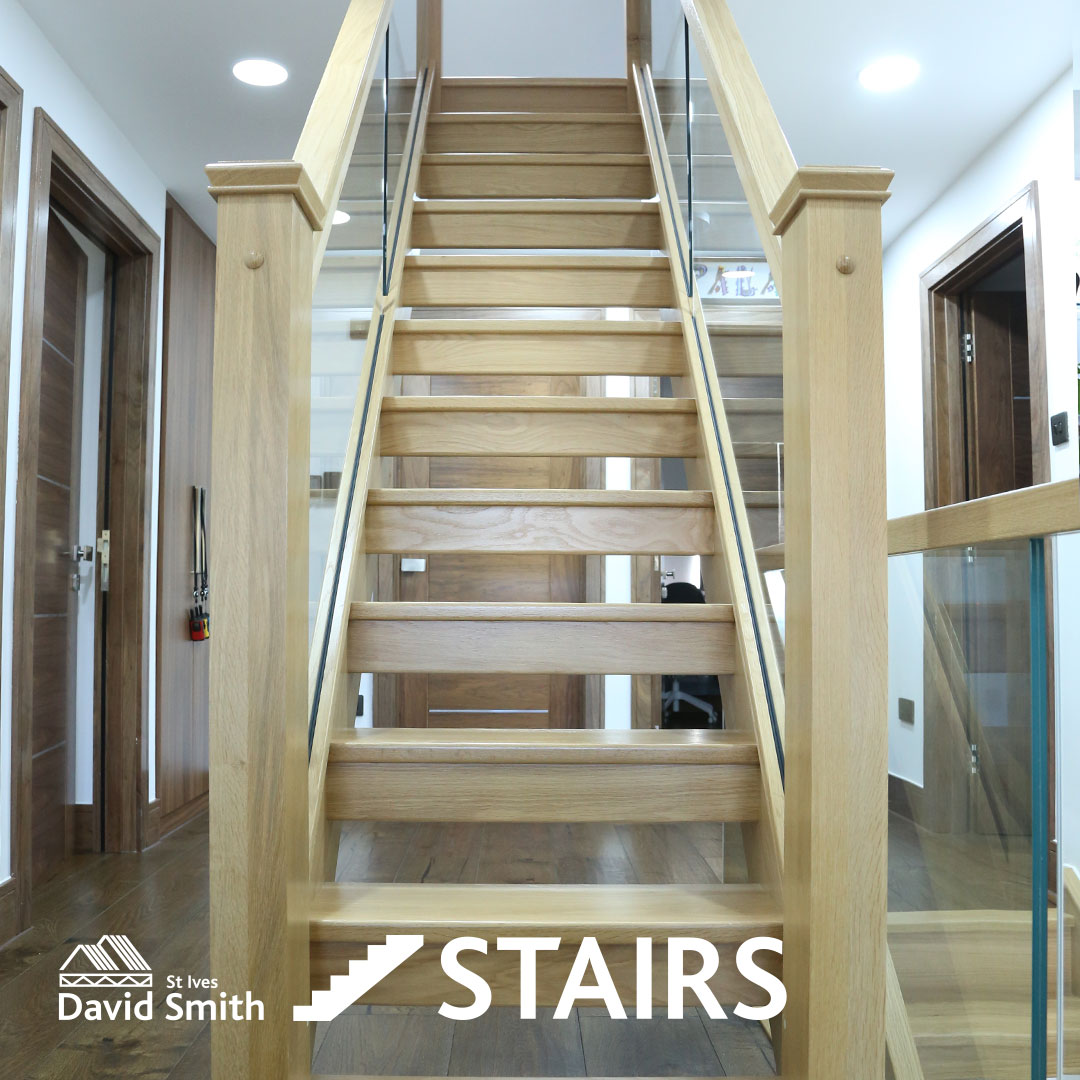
[(689, 701)]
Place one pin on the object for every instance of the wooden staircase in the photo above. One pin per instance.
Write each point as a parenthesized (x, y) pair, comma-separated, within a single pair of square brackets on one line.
[(538, 186), (519, 205)]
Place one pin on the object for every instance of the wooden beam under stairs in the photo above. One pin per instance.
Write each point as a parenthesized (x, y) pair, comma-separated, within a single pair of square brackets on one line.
[(537, 347), (549, 522), (542, 133), (436, 775), (345, 919), (536, 176), (537, 281), (547, 426), (544, 639), (539, 224)]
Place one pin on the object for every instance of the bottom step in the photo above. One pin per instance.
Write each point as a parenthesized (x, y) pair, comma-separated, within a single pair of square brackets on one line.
[(348, 918), (965, 1039)]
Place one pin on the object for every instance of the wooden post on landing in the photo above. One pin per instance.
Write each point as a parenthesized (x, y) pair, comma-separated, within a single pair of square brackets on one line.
[(837, 624), (638, 44), (429, 45)]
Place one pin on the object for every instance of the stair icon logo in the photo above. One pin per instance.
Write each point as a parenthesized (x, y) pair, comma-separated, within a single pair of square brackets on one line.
[(326, 1005), (113, 963)]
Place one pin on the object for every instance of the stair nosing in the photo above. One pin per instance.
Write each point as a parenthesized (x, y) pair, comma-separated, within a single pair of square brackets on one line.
[(465, 403), (482, 746), (509, 327), (568, 497), (721, 913), (412, 611)]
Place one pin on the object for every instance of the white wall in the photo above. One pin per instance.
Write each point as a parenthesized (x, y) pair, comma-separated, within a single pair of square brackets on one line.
[(492, 37), (49, 83), (1039, 146)]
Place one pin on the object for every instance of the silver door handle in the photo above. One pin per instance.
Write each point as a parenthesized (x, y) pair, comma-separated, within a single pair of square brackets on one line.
[(80, 554)]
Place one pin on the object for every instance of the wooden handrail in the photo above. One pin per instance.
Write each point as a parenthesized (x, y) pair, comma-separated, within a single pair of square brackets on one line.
[(1042, 510), (326, 142), (763, 158)]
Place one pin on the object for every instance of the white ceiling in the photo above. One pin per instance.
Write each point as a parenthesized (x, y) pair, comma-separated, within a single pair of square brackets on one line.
[(164, 74)]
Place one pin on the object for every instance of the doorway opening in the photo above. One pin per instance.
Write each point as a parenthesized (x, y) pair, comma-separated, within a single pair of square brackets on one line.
[(82, 532), (986, 428), (986, 431)]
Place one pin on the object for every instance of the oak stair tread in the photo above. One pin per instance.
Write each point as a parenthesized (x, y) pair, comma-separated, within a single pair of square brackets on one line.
[(415, 610), (545, 746), (425, 403), (729, 317), (614, 914), (758, 449), (974, 920), (535, 262), (508, 327), (755, 406), (576, 497), (536, 118), (476, 157), (536, 206)]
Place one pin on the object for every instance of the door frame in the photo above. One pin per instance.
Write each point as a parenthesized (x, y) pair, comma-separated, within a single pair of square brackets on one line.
[(1013, 229), (10, 137), (63, 176)]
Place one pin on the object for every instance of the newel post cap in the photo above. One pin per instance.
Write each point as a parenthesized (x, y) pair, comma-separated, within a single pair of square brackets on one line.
[(825, 182), (269, 178)]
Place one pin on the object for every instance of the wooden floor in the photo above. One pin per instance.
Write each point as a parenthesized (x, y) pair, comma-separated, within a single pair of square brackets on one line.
[(160, 899)]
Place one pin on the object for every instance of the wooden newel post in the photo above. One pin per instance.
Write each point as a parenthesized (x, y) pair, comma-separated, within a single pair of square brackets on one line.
[(267, 214), (837, 624)]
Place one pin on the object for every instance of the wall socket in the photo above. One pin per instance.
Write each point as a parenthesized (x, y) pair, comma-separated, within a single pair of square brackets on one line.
[(1059, 428), (907, 711)]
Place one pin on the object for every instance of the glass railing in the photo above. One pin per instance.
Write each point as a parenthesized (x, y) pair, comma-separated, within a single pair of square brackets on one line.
[(972, 923), (737, 330), (345, 292), (347, 321)]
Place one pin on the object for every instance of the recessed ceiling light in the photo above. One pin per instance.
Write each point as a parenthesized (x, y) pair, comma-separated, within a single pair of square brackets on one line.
[(889, 74), (737, 273), (340, 217), (257, 72)]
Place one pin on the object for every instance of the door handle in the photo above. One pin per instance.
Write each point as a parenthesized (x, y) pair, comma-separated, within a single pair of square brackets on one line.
[(80, 554), (103, 548)]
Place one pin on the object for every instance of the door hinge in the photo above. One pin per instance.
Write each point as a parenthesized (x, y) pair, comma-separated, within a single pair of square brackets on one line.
[(974, 759), (103, 564), (968, 341)]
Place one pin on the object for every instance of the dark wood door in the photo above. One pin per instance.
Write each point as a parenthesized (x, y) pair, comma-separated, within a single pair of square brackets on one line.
[(998, 394), (503, 701), (183, 714), (56, 534)]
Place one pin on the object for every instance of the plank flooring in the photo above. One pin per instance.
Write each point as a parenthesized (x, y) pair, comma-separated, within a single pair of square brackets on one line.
[(160, 900)]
